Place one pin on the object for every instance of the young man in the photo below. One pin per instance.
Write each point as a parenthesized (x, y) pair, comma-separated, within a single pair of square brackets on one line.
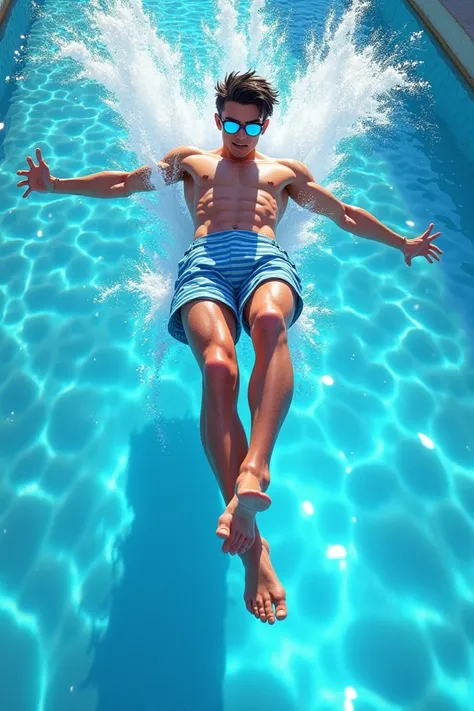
[(235, 274)]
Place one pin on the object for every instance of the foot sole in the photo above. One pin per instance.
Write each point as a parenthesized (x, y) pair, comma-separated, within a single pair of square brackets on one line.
[(254, 501)]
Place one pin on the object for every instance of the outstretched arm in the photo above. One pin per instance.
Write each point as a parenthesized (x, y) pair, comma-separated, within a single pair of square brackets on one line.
[(305, 191), (106, 184)]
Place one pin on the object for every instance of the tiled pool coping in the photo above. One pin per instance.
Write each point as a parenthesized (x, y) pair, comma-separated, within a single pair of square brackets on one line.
[(452, 23)]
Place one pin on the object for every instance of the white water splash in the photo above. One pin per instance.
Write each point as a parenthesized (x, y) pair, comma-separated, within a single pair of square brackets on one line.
[(340, 91)]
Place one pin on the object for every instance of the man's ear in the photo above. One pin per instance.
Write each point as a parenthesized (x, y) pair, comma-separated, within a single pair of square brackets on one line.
[(265, 126), (218, 121)]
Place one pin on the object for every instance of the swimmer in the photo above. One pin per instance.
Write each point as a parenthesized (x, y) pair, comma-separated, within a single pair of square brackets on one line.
[(235, 275)]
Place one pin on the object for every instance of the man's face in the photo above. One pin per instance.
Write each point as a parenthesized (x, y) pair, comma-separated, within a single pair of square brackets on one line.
[(240, 144)]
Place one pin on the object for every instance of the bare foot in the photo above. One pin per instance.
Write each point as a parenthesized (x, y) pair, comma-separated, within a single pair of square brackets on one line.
[(237, 524), (248, 489), (263, 590), (237, 527)]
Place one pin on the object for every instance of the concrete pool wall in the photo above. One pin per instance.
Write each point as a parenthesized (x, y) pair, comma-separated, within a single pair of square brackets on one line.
[(452, 23)]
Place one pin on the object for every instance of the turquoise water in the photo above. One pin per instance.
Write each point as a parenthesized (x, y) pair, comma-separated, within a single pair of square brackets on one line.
[(104, 603)]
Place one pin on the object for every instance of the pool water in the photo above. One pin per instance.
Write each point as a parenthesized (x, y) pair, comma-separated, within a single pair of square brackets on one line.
[(114, 593)]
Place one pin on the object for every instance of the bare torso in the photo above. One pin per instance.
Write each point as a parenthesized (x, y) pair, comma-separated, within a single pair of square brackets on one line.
[(223, 194)]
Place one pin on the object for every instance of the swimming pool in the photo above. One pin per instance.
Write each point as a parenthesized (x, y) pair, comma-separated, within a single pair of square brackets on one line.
[(104, 603)]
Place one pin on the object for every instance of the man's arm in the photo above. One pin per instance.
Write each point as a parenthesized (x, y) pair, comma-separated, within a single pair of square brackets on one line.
[(106, 184), (307, 193)]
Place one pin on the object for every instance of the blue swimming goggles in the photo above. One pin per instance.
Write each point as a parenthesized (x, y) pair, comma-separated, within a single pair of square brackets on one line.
[(251, 129)]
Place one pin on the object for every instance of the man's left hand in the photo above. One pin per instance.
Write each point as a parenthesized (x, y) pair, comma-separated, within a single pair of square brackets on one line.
[(422, 246)]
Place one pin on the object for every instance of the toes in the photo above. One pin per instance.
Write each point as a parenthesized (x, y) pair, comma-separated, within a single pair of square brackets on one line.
[(245, 545), (223, 525), (281, 611), (236, 543), (223, 531), (267, 604), (253, 607), (261, 610)]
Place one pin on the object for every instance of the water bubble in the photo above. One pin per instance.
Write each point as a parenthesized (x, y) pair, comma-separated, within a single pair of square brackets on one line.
[(308, 508), (327, 380)]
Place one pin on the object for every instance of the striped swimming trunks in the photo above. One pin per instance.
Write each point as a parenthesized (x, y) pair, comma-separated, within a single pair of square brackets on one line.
[(227, 267)]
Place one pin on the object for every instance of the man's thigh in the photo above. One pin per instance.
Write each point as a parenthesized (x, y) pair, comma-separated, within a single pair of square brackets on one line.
[(209, 324)]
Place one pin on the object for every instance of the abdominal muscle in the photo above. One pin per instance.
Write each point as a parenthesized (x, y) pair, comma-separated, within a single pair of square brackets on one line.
[(222, 195), (230, 210)]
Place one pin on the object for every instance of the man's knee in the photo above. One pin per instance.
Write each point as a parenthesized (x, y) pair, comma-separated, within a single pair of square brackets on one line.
[(220, 369), (269, 323)]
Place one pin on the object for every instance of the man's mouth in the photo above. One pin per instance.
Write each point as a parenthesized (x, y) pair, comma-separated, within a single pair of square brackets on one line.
[(240, 145)]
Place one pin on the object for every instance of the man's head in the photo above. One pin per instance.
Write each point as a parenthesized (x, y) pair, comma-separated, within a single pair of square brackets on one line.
[(243, 99)]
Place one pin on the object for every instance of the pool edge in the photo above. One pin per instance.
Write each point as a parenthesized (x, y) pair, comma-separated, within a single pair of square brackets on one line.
[(458, 33), (3, 10)]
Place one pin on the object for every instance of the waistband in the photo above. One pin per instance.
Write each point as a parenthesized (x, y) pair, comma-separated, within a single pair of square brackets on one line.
[(245, 234)]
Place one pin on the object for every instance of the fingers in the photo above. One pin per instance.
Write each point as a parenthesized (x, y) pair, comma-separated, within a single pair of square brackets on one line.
[(434, 255), (29, 160), (435, 236), (22, 183), (407, 260), (428, 258), (22, 172), (27, 193), (435, 248), (41, 161), (426, 233)]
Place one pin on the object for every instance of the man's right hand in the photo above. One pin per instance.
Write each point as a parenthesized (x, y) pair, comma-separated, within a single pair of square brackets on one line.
[(38, 176)]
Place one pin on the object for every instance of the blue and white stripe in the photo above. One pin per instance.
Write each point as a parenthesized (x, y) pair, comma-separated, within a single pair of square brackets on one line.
[(228, 266)]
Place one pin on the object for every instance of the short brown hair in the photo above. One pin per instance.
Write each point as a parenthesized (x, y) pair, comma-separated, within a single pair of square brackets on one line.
[(246, 88)]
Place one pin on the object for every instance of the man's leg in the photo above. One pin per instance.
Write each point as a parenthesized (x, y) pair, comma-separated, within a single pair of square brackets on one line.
[(269, 312), (210, 329)]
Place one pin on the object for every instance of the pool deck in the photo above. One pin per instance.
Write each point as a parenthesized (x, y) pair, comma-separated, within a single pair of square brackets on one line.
[(463, 13), (452, 23)]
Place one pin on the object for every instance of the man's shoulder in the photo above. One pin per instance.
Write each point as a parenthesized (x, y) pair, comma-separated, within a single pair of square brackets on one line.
[(295, 165), (182, 152)]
